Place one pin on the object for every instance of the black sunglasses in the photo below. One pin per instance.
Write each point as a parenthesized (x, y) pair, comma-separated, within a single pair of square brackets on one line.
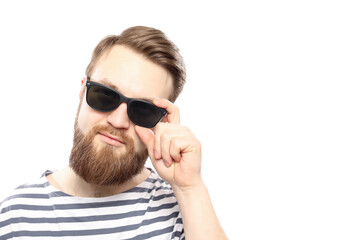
[(105, 99)]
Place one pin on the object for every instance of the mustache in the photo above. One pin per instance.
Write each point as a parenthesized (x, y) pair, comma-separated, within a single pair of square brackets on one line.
[(120, 134)]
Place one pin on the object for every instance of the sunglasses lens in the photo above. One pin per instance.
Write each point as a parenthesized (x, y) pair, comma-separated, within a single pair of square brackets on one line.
[(144, 113), (102, 99), (140, 112)]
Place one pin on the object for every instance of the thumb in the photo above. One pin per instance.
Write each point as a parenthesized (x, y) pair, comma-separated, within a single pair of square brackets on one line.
[(147, 137)]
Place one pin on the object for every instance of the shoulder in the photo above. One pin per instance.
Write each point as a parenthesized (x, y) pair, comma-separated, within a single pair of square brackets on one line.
[(35, 188)]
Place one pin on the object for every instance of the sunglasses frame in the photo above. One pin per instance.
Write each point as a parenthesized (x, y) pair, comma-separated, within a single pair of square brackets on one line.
[(123, 99)]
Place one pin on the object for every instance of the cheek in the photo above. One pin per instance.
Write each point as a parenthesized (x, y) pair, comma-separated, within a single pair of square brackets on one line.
[(87, 117)]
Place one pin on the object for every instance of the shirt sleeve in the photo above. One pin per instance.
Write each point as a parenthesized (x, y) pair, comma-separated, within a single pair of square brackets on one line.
[(178, 233)]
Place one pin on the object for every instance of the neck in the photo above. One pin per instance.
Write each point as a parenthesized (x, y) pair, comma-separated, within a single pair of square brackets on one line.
[(67, 181)]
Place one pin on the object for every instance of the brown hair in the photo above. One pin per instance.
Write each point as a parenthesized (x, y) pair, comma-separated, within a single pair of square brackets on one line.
[(151, 43)]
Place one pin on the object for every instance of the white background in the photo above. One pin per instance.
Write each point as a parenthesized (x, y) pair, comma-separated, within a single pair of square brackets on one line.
[(272, 93)]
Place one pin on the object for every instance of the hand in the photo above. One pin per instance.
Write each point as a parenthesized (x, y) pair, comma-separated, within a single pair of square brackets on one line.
[(173, 149)]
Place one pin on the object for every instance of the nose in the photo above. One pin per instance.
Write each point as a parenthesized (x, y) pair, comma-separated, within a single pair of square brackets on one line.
[(119, 117)]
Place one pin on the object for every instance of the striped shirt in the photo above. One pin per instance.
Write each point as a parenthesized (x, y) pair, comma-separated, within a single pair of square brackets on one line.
[(40, 211)]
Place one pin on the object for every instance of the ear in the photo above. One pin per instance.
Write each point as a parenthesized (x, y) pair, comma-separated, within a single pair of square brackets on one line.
[(83, 81)]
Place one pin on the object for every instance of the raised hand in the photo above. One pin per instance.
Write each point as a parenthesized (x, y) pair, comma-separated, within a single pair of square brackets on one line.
[(173, 149)]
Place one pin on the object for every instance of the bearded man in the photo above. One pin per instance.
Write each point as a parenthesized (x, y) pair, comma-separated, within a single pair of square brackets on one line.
[(126, 114)]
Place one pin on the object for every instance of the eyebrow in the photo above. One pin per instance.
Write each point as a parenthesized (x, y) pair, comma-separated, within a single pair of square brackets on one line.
[(106, 82)]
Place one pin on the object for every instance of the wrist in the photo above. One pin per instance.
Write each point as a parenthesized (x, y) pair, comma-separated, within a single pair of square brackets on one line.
[(198, 214), (189, 190)]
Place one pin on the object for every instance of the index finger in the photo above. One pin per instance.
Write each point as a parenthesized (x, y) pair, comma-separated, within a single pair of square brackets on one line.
[(173, 115)]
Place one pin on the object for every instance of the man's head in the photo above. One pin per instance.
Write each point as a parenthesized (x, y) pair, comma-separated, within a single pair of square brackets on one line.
[(151, 44), (139, 63)]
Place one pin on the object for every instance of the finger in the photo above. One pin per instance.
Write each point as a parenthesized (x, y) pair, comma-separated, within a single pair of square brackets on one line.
[(165, 140), (173, 115), (157, 148), (148, 138), (175, 149), (160, 139)]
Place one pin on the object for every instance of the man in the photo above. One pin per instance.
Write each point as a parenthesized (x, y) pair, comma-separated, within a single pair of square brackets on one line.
[(126, 114)]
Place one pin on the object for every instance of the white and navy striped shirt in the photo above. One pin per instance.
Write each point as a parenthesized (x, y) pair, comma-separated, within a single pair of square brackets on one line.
[(40, 211)]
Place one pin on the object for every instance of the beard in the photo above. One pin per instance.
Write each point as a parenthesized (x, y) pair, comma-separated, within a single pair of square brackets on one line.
[(104, 164)]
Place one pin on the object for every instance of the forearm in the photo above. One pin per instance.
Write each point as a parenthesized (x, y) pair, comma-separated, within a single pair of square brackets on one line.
[(199, 218)]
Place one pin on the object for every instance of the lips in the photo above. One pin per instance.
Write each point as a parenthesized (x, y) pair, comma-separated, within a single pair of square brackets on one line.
[(110, 139)]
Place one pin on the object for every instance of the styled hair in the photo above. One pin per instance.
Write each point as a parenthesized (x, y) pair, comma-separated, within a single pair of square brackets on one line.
[(153, 45)]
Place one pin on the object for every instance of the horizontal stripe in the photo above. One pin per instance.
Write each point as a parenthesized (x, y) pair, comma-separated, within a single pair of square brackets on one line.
[(39, 185), (32, 195), (62, 194), (85, 205), (39, 210), (147, 190), (179, 221), (154, 180), (88, 232), (178, 234), (87, 218), (152, 234)]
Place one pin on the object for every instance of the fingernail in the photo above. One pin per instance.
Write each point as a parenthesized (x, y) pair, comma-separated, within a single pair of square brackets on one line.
[(166, 163)]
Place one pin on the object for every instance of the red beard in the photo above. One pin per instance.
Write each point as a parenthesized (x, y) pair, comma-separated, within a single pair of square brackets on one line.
[(103, 165)]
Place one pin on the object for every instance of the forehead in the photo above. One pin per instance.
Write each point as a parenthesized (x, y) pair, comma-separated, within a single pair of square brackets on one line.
[(133, 74)]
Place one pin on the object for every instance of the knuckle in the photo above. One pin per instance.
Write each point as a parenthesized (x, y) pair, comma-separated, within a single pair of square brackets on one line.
[(165, 136), (174, 143), (165, 155)]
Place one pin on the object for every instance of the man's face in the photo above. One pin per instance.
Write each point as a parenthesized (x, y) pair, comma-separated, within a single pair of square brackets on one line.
[(110, 137)]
